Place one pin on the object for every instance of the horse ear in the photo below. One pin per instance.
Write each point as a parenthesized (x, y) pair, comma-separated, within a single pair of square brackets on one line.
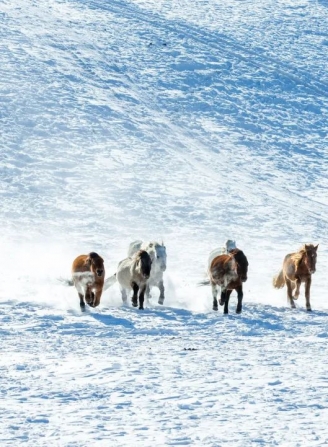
[(316, 247)]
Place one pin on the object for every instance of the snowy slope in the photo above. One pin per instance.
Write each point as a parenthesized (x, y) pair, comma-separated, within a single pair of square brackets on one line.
[(191, 122)]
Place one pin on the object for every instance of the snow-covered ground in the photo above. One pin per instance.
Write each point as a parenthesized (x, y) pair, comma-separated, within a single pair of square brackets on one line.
[(184, 121)]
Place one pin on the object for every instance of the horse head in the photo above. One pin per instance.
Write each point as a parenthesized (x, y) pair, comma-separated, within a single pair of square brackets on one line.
[(160, 257), (144, 263), (230, 245), (310, 257), (96, 264), (242, 264)]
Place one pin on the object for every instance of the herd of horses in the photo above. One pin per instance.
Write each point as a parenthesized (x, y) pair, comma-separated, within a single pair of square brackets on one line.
[(227, 271)]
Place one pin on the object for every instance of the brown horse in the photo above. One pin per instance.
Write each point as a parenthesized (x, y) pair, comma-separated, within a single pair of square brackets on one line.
[(228, 271), (297, 268), (88, 274)]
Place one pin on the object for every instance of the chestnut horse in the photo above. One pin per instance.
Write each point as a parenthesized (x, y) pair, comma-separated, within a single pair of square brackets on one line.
[(133, 273), (228, 271), (88, 274), (297, 268)]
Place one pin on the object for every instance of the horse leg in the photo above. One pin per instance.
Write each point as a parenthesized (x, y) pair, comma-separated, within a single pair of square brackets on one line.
[(226, 301), (222, 296), (148, 294), (297, 291), (307, 293), (290, 293), (141, 297), (88, 297), (240, 294), (161, 293), (135, 288), (81, 296), (92, 299), (215, 295), (124, 296), (97, 296)]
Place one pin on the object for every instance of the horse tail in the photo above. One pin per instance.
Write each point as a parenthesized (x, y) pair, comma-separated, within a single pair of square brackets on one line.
[(279, 280), (110, 281), (205, 282), (66, 282)]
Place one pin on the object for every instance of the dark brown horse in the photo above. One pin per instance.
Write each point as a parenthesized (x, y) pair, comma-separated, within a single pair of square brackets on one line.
[(297, 268), (228, 271), (88, 274)]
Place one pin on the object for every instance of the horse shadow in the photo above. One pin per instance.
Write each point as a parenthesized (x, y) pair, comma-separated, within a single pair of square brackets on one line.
[(110, 320), (259, 318)]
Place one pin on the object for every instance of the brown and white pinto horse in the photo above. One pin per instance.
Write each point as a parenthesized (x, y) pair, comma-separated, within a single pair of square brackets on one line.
[(88, 274), (297, 268), (228, 271)]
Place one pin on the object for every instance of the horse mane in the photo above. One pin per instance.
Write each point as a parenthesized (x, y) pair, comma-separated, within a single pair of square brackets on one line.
[(142, 254), (237, 252), (93, 255), (298, 256)]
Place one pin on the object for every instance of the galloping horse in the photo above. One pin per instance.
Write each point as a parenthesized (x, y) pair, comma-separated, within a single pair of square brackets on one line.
[(133, 273), (88, 274), (157, 252), (228, 271), (297, 268)]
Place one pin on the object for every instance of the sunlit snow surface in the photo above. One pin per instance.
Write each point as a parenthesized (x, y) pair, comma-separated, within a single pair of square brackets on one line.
[(184, 121)]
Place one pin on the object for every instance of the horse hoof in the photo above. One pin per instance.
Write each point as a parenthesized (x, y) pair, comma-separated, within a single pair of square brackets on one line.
[(238, 311), (215, 307), (221, 302), (161, 301), (141, 308), (134, 304), (309, 309)]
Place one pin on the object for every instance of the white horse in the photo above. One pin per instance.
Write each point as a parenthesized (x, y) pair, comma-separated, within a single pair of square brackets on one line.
[(132, 273), (157, 253)]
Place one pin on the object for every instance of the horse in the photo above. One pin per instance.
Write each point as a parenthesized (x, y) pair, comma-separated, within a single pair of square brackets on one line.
[(227, 248), (157, 253), (133, 273), (88, 274), (297, 267), (228, 271)]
